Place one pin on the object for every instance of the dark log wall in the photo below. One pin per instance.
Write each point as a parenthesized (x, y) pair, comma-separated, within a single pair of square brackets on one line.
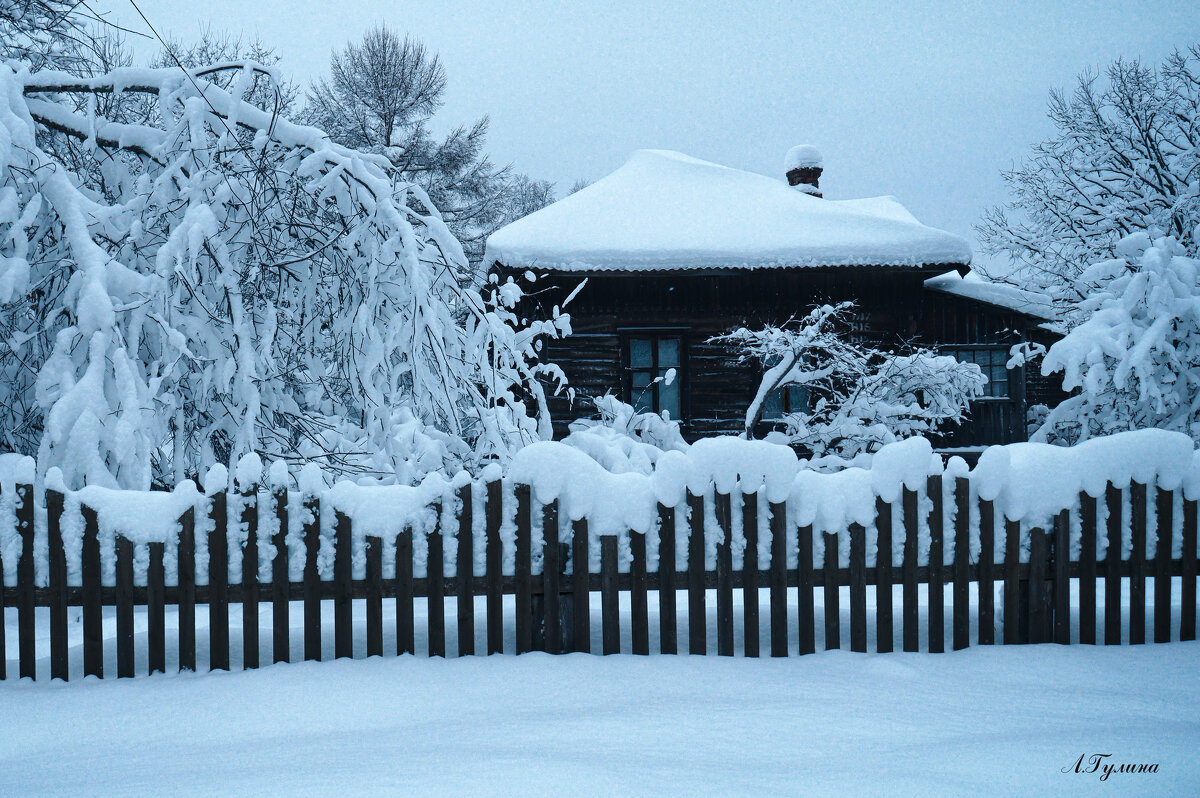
[(894, 306)]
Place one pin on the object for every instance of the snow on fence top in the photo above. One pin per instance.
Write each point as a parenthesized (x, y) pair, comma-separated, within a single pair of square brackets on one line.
[(665, 210)]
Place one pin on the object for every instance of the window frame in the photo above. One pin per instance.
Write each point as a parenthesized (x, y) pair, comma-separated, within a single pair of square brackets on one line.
[(1003, 349), (655, 334)]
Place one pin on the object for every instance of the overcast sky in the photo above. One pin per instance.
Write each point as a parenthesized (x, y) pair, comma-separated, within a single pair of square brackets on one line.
[(927, 104)]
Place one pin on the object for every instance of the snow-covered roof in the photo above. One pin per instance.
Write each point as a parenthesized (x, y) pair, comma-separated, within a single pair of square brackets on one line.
[(975, 287), (664, 210), (800, 156)]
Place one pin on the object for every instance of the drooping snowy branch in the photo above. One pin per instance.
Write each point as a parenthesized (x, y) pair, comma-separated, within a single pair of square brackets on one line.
[(254, 288)]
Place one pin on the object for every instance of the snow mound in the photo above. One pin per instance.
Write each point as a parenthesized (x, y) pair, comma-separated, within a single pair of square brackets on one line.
[(665, 210)]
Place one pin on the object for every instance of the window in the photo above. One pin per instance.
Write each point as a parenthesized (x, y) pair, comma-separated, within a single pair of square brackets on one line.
[(654, 372), (991, 361), (788, 399)]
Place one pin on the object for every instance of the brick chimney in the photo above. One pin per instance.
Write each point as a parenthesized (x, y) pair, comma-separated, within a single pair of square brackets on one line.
[(802, 165)]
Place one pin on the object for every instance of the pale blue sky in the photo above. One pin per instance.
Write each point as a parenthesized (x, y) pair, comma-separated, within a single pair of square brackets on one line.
[(926, 101)]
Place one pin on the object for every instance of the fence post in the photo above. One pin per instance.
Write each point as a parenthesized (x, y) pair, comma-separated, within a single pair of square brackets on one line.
[(779, 626), (551, 620), (858, 588), (374, 557), (1187, 611), (1112, 566), (1015, 615), (1137, 579), (639, 610), (833, 610), (405, 624), (912, 533), (987, 579), (805, 582), (156, 627), (124, 608), (1087, 569), (1062, 580), (581, 598), (611, 619)]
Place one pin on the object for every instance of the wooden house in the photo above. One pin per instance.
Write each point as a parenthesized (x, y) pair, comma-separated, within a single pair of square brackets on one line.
[(671, 251)]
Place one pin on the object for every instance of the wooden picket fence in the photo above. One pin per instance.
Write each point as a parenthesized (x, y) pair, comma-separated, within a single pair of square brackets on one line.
[(553, 609)]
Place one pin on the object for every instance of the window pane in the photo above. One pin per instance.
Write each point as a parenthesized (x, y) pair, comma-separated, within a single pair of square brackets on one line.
[(643, 399), (668, 398), (668, 352), (797, 398), (773, 405), (639, 353)]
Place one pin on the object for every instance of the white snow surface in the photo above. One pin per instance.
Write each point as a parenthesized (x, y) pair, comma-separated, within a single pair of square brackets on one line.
[(972, 286), (802, 155), (991, 720), (665, 210)]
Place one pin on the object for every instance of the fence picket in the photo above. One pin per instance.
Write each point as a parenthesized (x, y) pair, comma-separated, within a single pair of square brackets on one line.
[(218, 581), (911, 630), (186, 569), (1012, 596), (937, 594), (1164, 529), (1062, 582), (883, 576), (1187, 611), (312, 578), (374, 558), (250, 653), (343, 604), (779, 625), (858, 588), (156, 626), (124, 608), (494, 566), (609, 609), (805, 583), (668, 630), (833, 610), (522, 571), (59, 666), (962, 555), (1039, 622), (1087, 569), (1112, 566), (465, 571), (436, 606), (697, 611), (580, 595), (987, 578), (26, 614), (552, 619), (1137, 578), (639, 615), (750, 575), (721, 507), (281, 644), (93, 623), (405, 624)]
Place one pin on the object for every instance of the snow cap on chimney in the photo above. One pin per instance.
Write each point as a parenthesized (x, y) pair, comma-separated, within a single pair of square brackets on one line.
[(803, 168)]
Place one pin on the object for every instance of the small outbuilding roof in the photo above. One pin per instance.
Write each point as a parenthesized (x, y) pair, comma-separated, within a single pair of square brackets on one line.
[(972, 286), (666, 211)]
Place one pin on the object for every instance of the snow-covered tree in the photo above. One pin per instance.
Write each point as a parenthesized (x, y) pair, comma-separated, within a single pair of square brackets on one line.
[(623, 440), (242, 285), (858, 397), (380, 96), (1134, 359), (1125, 157), (44, 33)]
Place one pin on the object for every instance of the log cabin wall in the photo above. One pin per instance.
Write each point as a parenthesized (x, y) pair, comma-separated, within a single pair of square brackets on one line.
[(893, 304)]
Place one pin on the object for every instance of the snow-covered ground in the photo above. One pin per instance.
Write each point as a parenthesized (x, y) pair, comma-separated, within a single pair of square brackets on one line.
[(1002, 720), (988, 720)]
